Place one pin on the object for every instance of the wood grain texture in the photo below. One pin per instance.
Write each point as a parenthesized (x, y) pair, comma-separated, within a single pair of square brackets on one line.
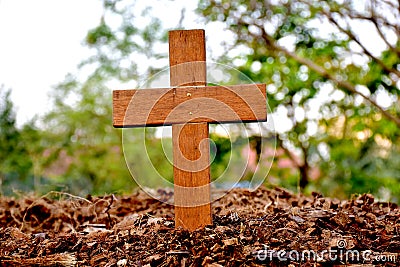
[(187, 59), (191, 170), (167, 106)]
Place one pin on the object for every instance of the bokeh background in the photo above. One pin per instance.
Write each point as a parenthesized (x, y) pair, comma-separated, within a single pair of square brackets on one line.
[(332, 70)]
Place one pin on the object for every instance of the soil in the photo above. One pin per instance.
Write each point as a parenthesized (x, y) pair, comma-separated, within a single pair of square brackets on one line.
[(267, 227)]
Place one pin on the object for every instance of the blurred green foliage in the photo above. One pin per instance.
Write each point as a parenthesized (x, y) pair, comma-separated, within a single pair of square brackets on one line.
[(320, 71), (15, 163), (325, 76)]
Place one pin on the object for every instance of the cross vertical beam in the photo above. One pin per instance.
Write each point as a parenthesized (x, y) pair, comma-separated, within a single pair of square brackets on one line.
[(191, 150)]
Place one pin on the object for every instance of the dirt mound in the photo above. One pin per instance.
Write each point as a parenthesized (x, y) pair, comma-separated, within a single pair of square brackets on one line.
[(265, 227)]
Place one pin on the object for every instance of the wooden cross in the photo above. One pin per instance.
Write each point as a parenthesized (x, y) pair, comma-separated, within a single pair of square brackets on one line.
[(189, 106)]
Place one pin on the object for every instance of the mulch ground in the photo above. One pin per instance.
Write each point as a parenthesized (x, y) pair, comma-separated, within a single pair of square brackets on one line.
[(270, 227)]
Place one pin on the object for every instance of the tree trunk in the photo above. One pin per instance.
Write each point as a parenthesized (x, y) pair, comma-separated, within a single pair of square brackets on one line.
[(304, 179)]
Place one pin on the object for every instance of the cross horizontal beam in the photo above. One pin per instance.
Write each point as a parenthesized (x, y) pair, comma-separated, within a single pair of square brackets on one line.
[(211, 104)]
